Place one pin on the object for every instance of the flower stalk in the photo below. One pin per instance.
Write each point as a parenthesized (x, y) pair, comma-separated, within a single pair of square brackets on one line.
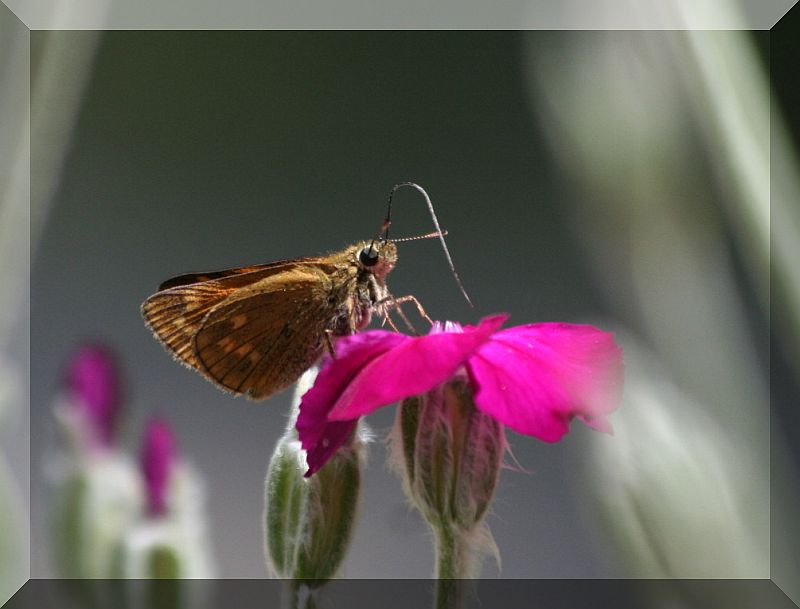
[(453, 555)]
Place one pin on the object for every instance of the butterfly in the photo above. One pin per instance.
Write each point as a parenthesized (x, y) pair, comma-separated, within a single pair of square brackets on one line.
[(254, 330)]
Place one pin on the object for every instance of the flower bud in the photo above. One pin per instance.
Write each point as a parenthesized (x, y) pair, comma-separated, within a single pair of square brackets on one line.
[(112, 520), (160, 551), (310, 521), (450, 463), (157, 461), (169, 539), (93, 393), (96, 487), (167, 543), (171, 545)]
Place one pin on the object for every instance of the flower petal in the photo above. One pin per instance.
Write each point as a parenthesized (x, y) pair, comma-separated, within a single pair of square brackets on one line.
[(319, 437), (414, 366), (334, 435), (536, 378), (353, 379)]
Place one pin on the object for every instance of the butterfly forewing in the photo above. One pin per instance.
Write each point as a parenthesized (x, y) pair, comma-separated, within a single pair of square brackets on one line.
[(230, 275)]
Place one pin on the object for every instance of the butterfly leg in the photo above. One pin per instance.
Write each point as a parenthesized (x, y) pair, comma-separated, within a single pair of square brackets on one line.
[(390, 302), (388, 320), (420, 309), (395, 303), (329, 343)]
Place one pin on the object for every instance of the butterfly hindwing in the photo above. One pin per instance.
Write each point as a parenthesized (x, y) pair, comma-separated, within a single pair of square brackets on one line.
[(261, 338), (176, 313)]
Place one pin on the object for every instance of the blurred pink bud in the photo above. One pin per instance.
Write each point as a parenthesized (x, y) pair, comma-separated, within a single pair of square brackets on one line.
[(94, 384), (157, 458)]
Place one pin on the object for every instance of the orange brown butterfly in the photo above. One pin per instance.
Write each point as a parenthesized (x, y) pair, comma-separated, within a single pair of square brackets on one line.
[(254, 330)]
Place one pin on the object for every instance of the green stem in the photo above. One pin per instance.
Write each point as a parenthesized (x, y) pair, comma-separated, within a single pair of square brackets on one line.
[(453, 558)]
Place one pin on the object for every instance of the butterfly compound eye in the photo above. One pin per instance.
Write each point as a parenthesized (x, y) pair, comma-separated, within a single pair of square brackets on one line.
[(368, 256)]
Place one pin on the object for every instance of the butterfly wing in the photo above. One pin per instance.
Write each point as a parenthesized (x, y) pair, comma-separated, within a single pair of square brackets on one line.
[(175, 312), (251, 273), (251, 333), (262, 340)]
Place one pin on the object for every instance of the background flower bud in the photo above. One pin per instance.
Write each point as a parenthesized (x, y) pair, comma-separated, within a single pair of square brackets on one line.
[(157, 462), (94, 394), (173, 544), (112, 519), (97, 488), (159, 551), (169, 539), (167, 543)]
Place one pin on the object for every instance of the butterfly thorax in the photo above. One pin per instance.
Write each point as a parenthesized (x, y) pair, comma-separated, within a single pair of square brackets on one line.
[(364, 290)]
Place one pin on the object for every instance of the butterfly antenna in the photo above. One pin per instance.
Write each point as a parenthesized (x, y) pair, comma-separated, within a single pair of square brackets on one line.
[(432, 235), (387, 223)]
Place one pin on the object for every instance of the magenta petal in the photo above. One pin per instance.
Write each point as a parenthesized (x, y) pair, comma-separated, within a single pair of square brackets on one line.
[(318, 436), (158, 455), (335, 434), (414, 366), (536, 378)]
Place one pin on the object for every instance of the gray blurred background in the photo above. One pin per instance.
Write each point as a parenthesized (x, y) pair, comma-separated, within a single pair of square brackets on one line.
[(195, 151)]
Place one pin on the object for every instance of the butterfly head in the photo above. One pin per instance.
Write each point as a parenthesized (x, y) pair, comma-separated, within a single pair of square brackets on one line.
[(377, 256)]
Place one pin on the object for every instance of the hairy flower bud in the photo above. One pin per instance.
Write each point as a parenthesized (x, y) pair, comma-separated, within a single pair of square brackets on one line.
[(450, 462), (310, 521)]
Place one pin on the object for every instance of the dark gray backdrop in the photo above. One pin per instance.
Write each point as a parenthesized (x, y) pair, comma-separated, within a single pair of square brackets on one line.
[(202, 150)]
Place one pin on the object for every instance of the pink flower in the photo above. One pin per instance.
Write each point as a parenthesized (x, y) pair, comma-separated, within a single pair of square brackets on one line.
[(533, 378), (93, 383), (157, 459)]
